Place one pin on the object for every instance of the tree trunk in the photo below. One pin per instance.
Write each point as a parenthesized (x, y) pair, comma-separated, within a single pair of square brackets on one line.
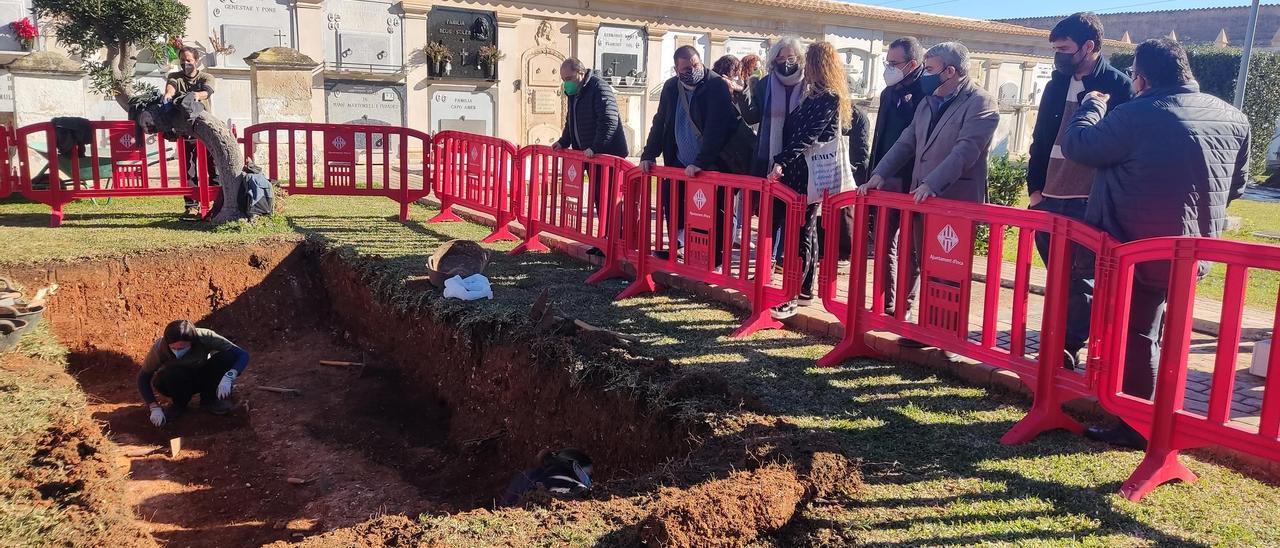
[(229, 158)]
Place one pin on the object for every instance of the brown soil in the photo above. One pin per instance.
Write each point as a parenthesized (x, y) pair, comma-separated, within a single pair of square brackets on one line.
[(413, 433), (728, 512)]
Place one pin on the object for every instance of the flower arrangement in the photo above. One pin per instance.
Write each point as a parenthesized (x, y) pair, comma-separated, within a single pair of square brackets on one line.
[(25, 30), (490, 55), (435, 52)]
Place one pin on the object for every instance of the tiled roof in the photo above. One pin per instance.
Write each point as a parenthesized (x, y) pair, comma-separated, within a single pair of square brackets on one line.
[(899, 16)]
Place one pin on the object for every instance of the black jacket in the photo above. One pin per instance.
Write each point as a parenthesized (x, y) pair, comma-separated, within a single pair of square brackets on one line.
[(1168, 162), (593, 121), (814, 121), (1105, 78), (711, 107), (897, 103), (859, 145)]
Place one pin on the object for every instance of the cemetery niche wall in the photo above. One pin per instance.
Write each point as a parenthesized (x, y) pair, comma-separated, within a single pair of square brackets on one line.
[(462, 33), (241, 27), (364, 36)]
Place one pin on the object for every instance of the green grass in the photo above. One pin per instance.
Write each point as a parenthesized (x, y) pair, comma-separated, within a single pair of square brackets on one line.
[(934, 468)]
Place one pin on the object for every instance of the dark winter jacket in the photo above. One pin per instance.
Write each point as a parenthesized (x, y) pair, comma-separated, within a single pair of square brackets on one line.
[(898, 105), (814, 121), (70, 131), (1104, 78), (859, 144), (593, 121), (1168, 161), (712, 110)]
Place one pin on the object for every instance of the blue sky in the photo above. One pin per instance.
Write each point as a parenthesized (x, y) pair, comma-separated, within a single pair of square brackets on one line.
[(998, 9)]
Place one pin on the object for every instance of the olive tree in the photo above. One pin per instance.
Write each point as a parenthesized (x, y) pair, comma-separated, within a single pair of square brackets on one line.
[(122, 29)]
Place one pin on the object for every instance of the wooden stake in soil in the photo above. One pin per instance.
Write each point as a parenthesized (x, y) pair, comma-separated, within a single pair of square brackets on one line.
[(337, 363), (175, 447), (289, 391)]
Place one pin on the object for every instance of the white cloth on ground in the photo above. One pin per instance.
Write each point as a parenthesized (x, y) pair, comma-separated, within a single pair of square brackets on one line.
[(470, 288)]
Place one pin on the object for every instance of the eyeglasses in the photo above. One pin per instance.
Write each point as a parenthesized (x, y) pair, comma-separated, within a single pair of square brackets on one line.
[(888, 64), (789, 59)]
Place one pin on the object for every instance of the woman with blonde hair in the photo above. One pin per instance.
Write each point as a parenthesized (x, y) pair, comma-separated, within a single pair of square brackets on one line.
[(817, 122)]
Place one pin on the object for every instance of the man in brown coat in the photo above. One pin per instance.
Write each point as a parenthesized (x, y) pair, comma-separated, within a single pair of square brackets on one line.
[(948, 141)]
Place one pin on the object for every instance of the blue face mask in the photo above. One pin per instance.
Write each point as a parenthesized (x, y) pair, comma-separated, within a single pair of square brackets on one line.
[(930, 83), (180, 353)]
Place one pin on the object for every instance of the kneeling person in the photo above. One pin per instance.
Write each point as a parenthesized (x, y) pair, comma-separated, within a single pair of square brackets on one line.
[(189, 361)]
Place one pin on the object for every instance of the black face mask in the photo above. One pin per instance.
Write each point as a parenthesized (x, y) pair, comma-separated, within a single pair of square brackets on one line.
[(786, 68), (1066, 62)]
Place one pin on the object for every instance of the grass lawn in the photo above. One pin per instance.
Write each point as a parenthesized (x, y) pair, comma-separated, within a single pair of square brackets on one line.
[(935, 471)]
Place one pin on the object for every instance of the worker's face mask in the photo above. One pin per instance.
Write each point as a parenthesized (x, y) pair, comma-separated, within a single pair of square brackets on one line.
[(693, 75), (180, 352)]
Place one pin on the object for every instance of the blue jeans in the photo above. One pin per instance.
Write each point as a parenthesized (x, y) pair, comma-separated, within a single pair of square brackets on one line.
[(1080, 293)]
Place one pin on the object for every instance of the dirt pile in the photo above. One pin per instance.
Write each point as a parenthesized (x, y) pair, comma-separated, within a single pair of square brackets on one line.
[(727, 512)]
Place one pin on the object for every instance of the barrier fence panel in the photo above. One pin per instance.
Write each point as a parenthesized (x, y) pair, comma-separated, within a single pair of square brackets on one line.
[(1006, 334), (685, 227), (1176, 417), (118, 161), (7, 177), (476, 172), (342, 159), (574, 197)]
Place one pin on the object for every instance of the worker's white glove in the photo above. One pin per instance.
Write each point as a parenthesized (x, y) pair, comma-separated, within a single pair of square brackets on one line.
[(224, 387), (157, 415)]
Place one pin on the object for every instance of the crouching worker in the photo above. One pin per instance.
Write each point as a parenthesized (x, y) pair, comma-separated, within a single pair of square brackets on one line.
[(189, 361), (565, 473)]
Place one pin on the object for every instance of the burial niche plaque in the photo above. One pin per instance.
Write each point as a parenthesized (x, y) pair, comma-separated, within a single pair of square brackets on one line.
[(463, 33), (620, 55)]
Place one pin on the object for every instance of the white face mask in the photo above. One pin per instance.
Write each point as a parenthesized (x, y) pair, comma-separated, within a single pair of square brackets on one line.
[(180, 353), (893, 75)]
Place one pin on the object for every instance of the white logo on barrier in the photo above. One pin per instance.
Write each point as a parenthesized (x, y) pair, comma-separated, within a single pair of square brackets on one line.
[(339, 143), (948, 238), (573, 174), (127, 141), (699, 199), (474, 154)]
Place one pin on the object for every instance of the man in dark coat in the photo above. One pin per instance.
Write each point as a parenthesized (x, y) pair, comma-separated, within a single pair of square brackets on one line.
[(696, 118), (898, 102), (1168, 164), (593, 124), (1057, 184)]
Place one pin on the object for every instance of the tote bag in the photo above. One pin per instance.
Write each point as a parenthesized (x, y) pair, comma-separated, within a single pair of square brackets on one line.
[(829, 169)]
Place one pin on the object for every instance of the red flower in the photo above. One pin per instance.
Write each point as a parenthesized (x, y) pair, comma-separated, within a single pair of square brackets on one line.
[(24, 28)]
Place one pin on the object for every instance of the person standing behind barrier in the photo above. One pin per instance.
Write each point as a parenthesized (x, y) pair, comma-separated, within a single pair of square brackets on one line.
[(593, 124), (1168, 163), (694, 123), (948, 140), (899, 100), (819, 119), (191, 79), (1058, 185)]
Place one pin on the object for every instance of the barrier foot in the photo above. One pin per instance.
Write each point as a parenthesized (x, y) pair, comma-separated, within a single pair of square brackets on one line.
[(607, 272), (404, 212), (643, 284), (531, 244), (55, 217), (500, 234), (445, 216), (756, 322), (854, 346), (1160, 466), (1041, 419)]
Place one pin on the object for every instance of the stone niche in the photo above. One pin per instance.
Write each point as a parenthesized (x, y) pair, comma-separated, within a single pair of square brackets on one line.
[(246, 26), (461, 109), (463, 32), (364, 36)]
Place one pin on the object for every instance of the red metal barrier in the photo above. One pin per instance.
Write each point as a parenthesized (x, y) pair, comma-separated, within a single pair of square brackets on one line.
[(120, 162), (708, 254), (946, 289), (7, 176), (342, 159), (476, 172), (574, 197), (1166, 423)]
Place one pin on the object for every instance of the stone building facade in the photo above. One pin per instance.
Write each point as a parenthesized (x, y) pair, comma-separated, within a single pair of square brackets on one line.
[(363, 61)]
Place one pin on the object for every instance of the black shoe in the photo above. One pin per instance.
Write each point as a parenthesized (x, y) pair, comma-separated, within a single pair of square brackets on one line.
[(217, 407), (805, 298), (664, 255), (1070, 360), (595, 251), (1119, 435), (784, 310), (191, 214), (911, 343)]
